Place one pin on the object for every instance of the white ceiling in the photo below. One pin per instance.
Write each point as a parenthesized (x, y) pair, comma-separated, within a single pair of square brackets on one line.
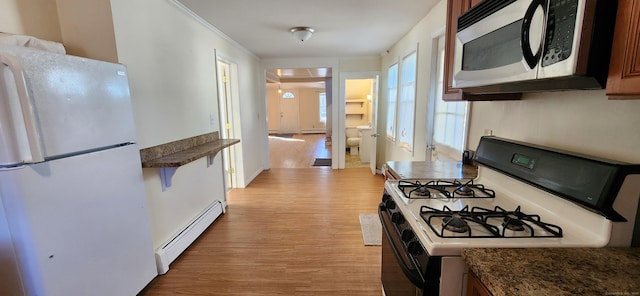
[(343, 28), (298, 75)]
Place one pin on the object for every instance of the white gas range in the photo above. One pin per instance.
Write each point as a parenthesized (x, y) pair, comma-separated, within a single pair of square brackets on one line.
[(525, 196)]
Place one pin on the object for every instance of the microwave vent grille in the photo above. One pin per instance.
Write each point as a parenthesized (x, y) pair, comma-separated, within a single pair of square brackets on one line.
[(480, 11)]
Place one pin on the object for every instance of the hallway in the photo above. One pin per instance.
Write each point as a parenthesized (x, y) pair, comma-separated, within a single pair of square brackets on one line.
[(300, 150)]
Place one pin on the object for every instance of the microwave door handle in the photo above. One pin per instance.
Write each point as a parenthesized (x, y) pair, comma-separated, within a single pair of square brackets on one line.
[(529, 17)]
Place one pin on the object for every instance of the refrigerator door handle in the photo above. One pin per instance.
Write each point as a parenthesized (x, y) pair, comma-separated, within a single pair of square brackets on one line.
[(35, 153)]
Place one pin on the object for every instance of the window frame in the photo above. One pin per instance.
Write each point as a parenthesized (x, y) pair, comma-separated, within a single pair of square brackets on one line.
[(406, 104), (444, 111), (392, 101), (322, 106)]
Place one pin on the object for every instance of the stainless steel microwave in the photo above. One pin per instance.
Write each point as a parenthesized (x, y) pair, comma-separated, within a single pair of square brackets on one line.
[(506, 46)]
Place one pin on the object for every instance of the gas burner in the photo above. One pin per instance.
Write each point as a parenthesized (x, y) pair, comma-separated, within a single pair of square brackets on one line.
[(422, 190), (464, 191), (518, 222), (449, 223), (512, 222), (455, 223), (443, 189), (470, 189), (430, 189)]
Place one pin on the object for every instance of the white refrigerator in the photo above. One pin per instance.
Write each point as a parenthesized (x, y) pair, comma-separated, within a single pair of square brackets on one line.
[(73, 213)]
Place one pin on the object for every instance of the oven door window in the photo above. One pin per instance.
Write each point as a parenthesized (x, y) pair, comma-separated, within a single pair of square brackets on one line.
[(394, 281)]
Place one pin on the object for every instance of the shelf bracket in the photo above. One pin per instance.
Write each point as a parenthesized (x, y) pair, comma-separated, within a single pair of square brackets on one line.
[(210, 158), (166, 174)]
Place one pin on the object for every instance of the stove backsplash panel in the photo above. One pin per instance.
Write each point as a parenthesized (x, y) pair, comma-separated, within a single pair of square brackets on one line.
[(589, 181)]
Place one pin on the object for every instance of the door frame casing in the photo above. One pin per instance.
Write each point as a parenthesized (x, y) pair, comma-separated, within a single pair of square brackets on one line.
[(332, 63), (233, 158), (339, 130)]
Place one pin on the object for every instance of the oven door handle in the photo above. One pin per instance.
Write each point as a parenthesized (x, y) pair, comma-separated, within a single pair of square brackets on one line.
[(412, 274)]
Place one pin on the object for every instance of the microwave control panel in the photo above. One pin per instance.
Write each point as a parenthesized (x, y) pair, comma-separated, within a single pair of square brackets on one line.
[(561, 25)]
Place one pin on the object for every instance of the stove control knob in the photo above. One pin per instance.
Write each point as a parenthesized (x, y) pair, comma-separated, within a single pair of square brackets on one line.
[(386, 197), (390, 204), (407, 235), (397, 218), (415, 248)]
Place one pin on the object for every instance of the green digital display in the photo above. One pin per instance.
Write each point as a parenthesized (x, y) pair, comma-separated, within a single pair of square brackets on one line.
[(523, 160)]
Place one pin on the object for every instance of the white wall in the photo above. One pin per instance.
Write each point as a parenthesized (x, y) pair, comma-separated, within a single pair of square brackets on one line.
[(420, 37), (580, 121), (37, 18), (253, 116), (358, 90), (170, 57), (87, 29)]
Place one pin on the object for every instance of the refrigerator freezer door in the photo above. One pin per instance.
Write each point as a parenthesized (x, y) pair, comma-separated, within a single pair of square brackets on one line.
[(11, 283), (78, 104), (80, 225)]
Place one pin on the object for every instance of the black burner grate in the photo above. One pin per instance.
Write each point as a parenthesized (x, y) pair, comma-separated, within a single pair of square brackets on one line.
[(448, 223), (444, 189), (518, 221)]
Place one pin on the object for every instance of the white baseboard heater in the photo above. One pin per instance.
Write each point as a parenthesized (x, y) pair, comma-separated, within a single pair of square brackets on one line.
[(176, 245)]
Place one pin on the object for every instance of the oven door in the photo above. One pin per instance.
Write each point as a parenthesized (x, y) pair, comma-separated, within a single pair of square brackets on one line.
[(498, 44), (400, 276)]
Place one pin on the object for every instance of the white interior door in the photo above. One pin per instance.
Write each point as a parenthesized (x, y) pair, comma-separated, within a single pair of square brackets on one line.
[(289, 108), (226, 120), (374, 125)]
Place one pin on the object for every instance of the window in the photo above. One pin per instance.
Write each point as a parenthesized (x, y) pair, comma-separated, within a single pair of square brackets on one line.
[(322, 99), (288, 95), (392, 97), (450, 120), (406, 107)]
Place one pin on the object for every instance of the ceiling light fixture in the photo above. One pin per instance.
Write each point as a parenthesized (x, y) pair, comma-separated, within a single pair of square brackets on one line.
[(302, 33)]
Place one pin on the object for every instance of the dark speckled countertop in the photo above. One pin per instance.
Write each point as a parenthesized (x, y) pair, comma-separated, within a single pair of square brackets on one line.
[(181, 152), (556, 271), (431, 169)]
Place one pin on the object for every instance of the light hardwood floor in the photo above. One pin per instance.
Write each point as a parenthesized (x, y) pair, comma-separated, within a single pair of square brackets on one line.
[(300, 150), (292, 231)]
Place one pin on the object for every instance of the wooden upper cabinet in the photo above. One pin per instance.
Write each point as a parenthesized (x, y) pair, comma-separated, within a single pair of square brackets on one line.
[(624, 67), (454, 9)]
